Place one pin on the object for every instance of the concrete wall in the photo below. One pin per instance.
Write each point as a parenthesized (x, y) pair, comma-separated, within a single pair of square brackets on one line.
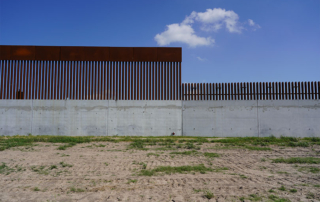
[(90, 117), (299, 118)]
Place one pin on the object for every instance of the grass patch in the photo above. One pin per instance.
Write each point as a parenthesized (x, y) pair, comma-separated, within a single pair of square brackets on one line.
[(211, 155), (258, 148), (152, 154), (4, 169), (172, 170), (277, 199), (132, 181), (53, 167), (209, 195), (63, 164), (300, 160), (293, 190), (254, 197), (64, 147), (310, 195), (36, 189), (40, 170), (282, 188), (185, 152), (73, 189), (309, 169)]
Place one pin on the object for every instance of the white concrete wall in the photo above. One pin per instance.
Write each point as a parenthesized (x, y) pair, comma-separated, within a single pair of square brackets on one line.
[(296, 118), (299, 118), (90, 117)]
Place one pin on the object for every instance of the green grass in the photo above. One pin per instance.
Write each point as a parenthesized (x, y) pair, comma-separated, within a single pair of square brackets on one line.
[(310, 195), (209, 195), (185, 152), (63, 164), (254, 197), (152, 154), (73, 189), (132, 181), (300, 160), (293, 190), (258, 148), (139, 142), (277, 199), (4, 169), (53, 167), (309, 169), (40, 170), (317, 185), (172, 170), (211, 155), (36, 189), (282, 188)]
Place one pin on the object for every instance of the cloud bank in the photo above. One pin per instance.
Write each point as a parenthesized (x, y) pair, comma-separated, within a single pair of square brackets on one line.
[(212, 20)]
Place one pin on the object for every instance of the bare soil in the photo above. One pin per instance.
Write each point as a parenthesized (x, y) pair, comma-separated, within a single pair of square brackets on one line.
[(91, 172)]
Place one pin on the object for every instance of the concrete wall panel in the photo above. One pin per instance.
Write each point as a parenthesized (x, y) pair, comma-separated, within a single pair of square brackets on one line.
[(297, 118), (16, 117), (144, 118), (220, 118)]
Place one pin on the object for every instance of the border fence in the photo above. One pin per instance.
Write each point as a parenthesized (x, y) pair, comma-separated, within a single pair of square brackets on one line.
[(252, 91), (122, 73), (90, 73)]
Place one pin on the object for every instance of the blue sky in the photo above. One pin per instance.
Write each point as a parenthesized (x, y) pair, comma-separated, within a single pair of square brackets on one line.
[(221, 40)]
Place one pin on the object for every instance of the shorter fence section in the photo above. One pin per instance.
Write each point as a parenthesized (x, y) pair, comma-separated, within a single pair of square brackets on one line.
[(251, 91)]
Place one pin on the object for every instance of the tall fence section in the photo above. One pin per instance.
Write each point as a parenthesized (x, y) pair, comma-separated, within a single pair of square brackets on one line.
[(122, 73), (90, 73)]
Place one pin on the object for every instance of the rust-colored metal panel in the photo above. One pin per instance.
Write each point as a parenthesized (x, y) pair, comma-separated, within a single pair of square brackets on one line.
[(22, 52), (121, 54), (145, 54), (80, 80), (43, 79), (130, 80), (95, 53), (150, 81), (144, 79), (174, 84), (2, 80), (47, 53), (71, 53), (180, 81), (5, 52), (154, 76), (198, 91), (23, 80), (169, 54), (164, 90), (162, 83), (15, 76), (26, 93)]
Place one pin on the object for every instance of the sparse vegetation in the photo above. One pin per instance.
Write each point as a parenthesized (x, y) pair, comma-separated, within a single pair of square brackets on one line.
[(180, 169), (152, 154), (208, 195), (277, 199), (63, 164), (73, 189), (293, 190), (211, 155), (298, 160), (282, 188), (132, 181), (36, 189), (193, 152)]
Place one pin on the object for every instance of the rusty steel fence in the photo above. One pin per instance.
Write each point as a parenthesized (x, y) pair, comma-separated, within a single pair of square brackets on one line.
[(90, 73), (251, 91)]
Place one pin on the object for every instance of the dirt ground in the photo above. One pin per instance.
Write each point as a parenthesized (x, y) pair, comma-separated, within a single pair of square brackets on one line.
[(107, 171)]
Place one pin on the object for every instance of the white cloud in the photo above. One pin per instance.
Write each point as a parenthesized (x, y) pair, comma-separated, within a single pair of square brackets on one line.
[(214, 19), (182, 33), (253, 25), (201, 59), (210, 20)]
